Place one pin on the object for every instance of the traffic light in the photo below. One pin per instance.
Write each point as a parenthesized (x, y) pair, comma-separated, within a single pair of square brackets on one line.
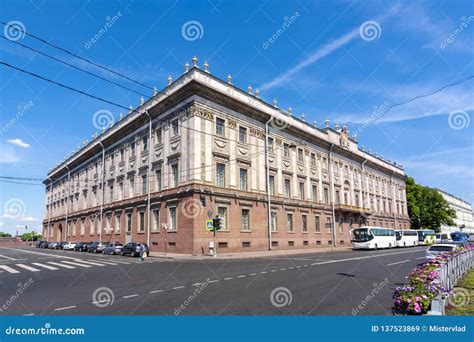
[(217, 223)]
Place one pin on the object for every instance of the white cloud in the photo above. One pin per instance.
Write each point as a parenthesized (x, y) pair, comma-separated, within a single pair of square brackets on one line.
[(18, 142), (8, 155)]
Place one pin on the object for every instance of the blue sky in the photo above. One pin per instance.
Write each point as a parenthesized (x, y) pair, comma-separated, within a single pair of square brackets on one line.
[(342, 60)]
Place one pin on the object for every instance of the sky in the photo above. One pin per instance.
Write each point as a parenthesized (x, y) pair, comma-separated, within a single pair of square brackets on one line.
[(366, 64)]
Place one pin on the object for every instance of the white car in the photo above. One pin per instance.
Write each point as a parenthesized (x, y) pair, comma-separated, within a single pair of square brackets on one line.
[(69, 246), (439, 248)]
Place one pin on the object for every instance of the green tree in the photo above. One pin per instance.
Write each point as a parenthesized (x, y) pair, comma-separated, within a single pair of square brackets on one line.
[(3, 234), (30, 236), (427, 208)]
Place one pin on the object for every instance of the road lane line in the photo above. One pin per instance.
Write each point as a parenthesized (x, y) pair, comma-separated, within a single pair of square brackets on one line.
[(282, 269), (213, 281), (241, 276), (30, 314), (423, 257), (156, 291), (229, 278), (253, 274), (108, 262), (45, 266), (4, 256), (9, 269), (398, 262), (40, 253), (263, 272), (196, 284), (58, 264), (130, 296), (290, 268), (29, 268), (65, 308), (76, 264), (90, 262), (177, 287)]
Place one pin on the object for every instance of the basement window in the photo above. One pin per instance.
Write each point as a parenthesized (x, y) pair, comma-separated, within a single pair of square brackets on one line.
[(330, 242), (291, 243), (318, 242), (305, 243), (222, 245), (341, 242), (274, 243), (246, 244), (172, 244)]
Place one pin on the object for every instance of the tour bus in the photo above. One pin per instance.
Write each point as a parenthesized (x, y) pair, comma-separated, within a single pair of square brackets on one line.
[(406, 238), (373, 238), (459, 236), (426, 236)]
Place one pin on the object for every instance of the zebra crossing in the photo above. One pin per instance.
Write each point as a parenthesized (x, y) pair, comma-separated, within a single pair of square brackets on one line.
[(63, 264)]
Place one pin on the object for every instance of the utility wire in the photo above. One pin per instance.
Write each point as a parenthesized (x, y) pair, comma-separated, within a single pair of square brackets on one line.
[(72, 66), (73, 54)]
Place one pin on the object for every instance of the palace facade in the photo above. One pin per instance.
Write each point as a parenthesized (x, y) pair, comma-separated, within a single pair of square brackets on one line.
[(197, 149)]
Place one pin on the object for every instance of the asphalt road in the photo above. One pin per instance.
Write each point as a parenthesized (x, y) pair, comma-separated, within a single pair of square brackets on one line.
[(74, 283)]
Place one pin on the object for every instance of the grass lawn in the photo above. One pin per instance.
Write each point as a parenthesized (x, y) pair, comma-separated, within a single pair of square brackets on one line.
[(463, 303)]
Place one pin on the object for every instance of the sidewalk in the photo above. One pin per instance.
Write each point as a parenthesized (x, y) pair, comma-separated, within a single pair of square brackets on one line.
[(248, 255)]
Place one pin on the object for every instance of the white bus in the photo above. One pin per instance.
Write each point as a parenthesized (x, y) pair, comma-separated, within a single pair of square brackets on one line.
[(406, 238), (373, 238), (426, 237)]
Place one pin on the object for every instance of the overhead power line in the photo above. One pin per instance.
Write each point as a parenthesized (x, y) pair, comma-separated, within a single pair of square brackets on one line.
[(75, 55), (21, 178)]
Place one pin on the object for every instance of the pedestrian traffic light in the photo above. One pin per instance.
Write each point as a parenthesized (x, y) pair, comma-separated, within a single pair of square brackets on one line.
[(217, 223)]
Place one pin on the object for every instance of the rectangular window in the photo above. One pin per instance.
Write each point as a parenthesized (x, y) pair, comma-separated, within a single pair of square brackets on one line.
[(245, 220), (175, 173), (326, 195), (338, 197), (132, 186), (156, 220), (121, 191), (286, 150), (108, 224), (144, 185), (175, 127), (272, 185), (340, 226), (172, 225), (313, 159), (129, 222), (304, 223), (112, 159), (145, 143), (314, 192), (270, 144), (132, 149), (325, 163), (158, 179), (220, 126), (243, 179), (122, 154), (83, 227), (222, 212), (242, 134), (300, 155), (289, 222), (92, 226), (274, 221), (220, 175), (159, 135), (117, 223), (317, 225), (141, 221), (328, 224), (302, 197), (111, 193), (287, 188), (357, 200)]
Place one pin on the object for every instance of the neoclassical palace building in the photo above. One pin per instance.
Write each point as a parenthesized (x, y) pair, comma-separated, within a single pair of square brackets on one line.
[(202, 147)]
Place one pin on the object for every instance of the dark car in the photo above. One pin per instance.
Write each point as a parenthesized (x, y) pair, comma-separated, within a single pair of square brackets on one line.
[(133, 249), (79, 246), (60, 245), (97, 247), (113, 248), (41, 244)]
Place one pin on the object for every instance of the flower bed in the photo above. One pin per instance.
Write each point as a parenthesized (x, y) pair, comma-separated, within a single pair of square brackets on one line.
[(423, 286)]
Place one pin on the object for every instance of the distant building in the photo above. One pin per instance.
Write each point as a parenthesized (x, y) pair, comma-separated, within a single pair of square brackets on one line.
[(464, 220), (198, 149)]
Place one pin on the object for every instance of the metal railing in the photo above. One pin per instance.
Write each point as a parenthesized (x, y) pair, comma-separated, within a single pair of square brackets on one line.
[(449, 273)]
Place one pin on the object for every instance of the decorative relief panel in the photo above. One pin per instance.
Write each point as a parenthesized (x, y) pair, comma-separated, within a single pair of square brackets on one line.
[(257, 132), (242, 150), (232, 124)]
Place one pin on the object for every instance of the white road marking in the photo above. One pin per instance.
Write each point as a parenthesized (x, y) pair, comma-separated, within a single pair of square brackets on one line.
[(263, 272), (40, 253), (365, 257), (108, 262), (58, 264), (282, 269), (229, 278), (90, 262), (9, 269), (29, 268), (241, 276), (65, 308), (253, 274), (4, 256), (130, 296), (178, 287), (30, 314), (398, 262), (76, 264), (290, 268), (196, 284), (44, 266), (213, 281), (298, 266), (156, 291), (423, 257)]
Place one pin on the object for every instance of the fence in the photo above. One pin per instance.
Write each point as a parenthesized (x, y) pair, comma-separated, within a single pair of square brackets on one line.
[(449, 274)]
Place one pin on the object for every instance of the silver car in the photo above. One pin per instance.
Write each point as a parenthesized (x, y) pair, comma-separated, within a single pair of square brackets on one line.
[(439, 248), (113, 248)]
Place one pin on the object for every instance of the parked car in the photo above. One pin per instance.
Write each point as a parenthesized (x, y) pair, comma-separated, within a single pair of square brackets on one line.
[(97, 247), (85, 246), (442, 238), (41, 243), (69, 246), (113, 248), (52, 245), (439, 248), (60, 245), (79, 246), (133, 249)]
